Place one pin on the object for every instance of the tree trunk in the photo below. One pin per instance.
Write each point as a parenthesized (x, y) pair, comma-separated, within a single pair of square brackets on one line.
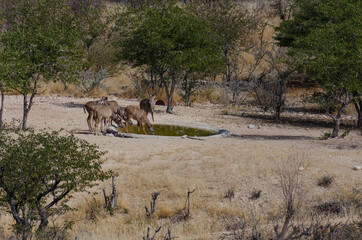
[(277, 112), (170, 97), (234, 98), (358, 106), (1, 108), (359, 120), (187, 100), (25, 112), (170, 92), (337, 118), (43, 219), (188, 85), (335, 132), (26, 108), (23, 227), (27, 105)]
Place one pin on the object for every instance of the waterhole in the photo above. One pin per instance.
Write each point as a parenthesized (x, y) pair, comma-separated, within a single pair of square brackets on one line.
[(172, 130)]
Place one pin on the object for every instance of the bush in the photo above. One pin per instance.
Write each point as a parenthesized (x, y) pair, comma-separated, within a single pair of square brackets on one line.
[(325, 136), (38, 172), (92, 80)]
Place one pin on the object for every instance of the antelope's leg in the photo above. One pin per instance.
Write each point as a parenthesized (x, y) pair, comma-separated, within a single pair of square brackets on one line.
[(89, 121), (138, 126), (126, 127), (96, 127), (143, 127)]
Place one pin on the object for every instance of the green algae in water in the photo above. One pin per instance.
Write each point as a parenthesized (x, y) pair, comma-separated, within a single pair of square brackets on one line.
[(171, 130)]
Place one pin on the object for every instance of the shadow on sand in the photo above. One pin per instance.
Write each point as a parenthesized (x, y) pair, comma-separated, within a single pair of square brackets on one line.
[(298, 121), (70, 105), (83, 132), (274, 137)]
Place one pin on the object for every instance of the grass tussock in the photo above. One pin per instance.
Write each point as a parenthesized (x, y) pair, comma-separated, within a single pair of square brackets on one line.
[(325, 181)]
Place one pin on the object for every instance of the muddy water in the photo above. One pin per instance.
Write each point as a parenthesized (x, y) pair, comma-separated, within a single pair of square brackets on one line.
[(171, 130)]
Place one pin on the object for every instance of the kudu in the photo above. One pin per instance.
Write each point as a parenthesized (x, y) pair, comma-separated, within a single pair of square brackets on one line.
[(148, 105), (90, 107), (104, 114), (140, 116)]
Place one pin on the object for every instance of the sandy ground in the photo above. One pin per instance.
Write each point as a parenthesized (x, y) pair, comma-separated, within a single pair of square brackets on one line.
[(55, 112), (268, 140)]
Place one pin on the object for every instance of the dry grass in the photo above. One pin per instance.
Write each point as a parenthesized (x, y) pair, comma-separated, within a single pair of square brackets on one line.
[(190, 168)]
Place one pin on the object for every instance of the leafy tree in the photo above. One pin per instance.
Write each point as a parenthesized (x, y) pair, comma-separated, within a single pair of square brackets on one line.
[(2, 96), (39, 41), (233, 26), (171, 41), (38, 173), (325, 40), (188, 85), (93, 19)]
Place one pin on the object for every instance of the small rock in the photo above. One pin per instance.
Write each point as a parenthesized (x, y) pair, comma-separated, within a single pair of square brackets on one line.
[(357, 168), (251, 126), (259, 126), (111, 129), (301, 168)]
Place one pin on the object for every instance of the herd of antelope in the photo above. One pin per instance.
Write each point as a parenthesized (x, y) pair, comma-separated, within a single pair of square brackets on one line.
[(103, 112)]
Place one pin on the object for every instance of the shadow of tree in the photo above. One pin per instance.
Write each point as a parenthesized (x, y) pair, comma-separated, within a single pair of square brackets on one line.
[(298, 121), (70, 105), (273, 137)]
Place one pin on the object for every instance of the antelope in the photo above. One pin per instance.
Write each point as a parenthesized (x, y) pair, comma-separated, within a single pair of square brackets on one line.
[(140, 116), (114, 106), (104, 114), (90, 106), (148, 105)]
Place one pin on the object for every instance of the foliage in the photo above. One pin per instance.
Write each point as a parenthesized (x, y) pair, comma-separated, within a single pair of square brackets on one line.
[(325, 136), (145, 82), (269, 93), (325, 40), (188, 88), (38, 172), (170, 37), (325, 101), (39, 41), (90, 80), (233, 26), (231, 22), (170, 40), (93, 20)]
